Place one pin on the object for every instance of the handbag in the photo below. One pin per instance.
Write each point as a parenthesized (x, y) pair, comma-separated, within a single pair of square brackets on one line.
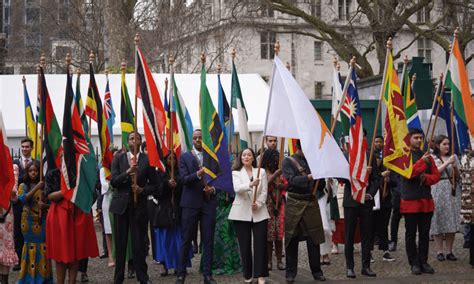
[(165, 216)]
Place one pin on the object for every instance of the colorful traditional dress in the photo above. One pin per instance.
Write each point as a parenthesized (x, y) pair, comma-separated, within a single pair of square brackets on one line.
[(8, 257), (34, 266), (276, 209)]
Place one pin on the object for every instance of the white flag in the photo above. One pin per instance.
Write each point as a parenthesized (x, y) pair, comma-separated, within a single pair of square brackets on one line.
[(336, 94), (291, 114)]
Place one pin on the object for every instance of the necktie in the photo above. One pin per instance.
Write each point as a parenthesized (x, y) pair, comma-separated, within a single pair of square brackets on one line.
[(25, 163)]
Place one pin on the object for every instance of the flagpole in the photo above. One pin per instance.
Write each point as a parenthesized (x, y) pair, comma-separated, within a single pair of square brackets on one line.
[(336, 68), (262, 146), (344, 93), (135, 150), (379, 108), (231, 122), (24, 88), (453, 132), (438, 97), (171, 93), (38, 101), (91, 60), (123, 68), (42, 64), (168, 118)]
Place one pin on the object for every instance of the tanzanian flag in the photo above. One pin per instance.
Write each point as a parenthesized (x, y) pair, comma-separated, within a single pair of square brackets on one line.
[(216, 161), (458, 83), (126, 113)]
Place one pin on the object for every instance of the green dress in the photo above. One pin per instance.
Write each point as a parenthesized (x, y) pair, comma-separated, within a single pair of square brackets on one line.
[(226, 260)]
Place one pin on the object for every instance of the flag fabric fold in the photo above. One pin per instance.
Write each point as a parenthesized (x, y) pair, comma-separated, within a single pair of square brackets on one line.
[(291, 114), (216, 160), (185, 124), (397, 154), (31, 127), (409, 102), (76, 147), (224, 111), (358, 145), (126, 113), (237, 102), (7, 178), (458, 82), (96, 112), (174, 141), (154, 117)]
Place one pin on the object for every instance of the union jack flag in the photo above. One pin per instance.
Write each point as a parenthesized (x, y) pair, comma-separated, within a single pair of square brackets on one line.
[(109, 111), (357, 142)]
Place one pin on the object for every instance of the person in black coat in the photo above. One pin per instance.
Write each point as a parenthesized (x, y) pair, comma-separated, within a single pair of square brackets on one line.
[(129, 215)]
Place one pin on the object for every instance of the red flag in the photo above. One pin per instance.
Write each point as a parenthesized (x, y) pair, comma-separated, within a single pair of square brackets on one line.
[(7, 179), (154, 117)]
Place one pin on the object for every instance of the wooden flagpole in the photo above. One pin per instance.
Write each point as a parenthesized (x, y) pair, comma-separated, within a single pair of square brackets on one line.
[(453, 132), (262, 146), (26, 122), (231, 123), (439, 98), (91, 61), (135, 135)]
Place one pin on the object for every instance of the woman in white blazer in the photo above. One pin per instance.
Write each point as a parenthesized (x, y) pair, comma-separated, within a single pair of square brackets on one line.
[(250, 217)]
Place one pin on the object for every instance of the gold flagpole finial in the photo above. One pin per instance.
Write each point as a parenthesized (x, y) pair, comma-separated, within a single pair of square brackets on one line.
[(390, 43), (233, 54), (219, 68), (166, 81), (405, 59), (78, 71), (123, 66), (456, 32), (91, 57), (413, 78), (106, 73), (43, 60), (277, 47), (353, 61), (171, 59), (203, 57), (23, 79), (136, 39)]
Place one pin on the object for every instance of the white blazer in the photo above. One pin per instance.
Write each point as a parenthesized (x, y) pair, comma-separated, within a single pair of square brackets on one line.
[(242, 206)]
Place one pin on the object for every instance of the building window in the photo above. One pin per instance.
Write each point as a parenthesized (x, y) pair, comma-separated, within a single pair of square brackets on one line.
[(423, 15), (32, 16), (267, 11), (343, 9), (315, 8), (267, 45), (318, 90), (424, 49), (318, 51)]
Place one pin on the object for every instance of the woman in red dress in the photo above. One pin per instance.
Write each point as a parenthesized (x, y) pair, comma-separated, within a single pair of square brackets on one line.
[(70, 234), (275, 205)]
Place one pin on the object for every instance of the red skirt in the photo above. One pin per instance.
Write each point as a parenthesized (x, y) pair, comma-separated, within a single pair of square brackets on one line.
[(70, 233), (338, 235)]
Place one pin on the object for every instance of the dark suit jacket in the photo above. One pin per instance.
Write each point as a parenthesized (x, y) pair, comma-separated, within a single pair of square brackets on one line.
[(193, 194), (147, 178)]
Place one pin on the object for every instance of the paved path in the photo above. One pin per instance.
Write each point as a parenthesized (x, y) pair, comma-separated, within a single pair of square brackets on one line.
[(395, 272)]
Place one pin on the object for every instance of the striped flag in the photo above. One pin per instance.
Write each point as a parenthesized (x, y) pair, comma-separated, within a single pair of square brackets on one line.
[(32, 131), (357, 142), (397, 154), (224, 111), (109, 111), (185, 124), (96, 112), (238, 103), (154, 117), (173, 121), (216, 160), (409, 103), (78, 164), (126, 112), (458, 82)]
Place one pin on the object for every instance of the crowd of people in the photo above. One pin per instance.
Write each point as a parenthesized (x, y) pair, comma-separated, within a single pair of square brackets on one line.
[(273, 208)]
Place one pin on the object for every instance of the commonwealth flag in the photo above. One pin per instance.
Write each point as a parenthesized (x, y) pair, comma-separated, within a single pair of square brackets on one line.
[(397, 154), (216, 160)]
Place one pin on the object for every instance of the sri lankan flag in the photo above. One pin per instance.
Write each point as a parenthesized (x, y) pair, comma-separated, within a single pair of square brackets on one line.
[(216, 161), (95, 111), (154, 117), (457, 81), (397, 155), (52, 140), (78, 166), (126, 113)]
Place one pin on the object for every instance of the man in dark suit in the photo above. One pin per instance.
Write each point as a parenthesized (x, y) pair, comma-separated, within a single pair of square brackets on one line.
[(21, 162), (127, 214), (197, 205), (354, 213)]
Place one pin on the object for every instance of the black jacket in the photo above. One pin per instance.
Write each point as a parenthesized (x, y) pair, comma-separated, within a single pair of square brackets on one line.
[(298, 181), (147, 178)]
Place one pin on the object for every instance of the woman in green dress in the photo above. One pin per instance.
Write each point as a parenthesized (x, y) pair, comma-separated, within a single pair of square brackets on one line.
[(226, 260)]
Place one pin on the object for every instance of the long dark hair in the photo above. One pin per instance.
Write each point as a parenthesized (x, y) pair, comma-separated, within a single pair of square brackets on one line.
[(27, 180), (437, 142), (239, 165), (270, 160), (168, 168)]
